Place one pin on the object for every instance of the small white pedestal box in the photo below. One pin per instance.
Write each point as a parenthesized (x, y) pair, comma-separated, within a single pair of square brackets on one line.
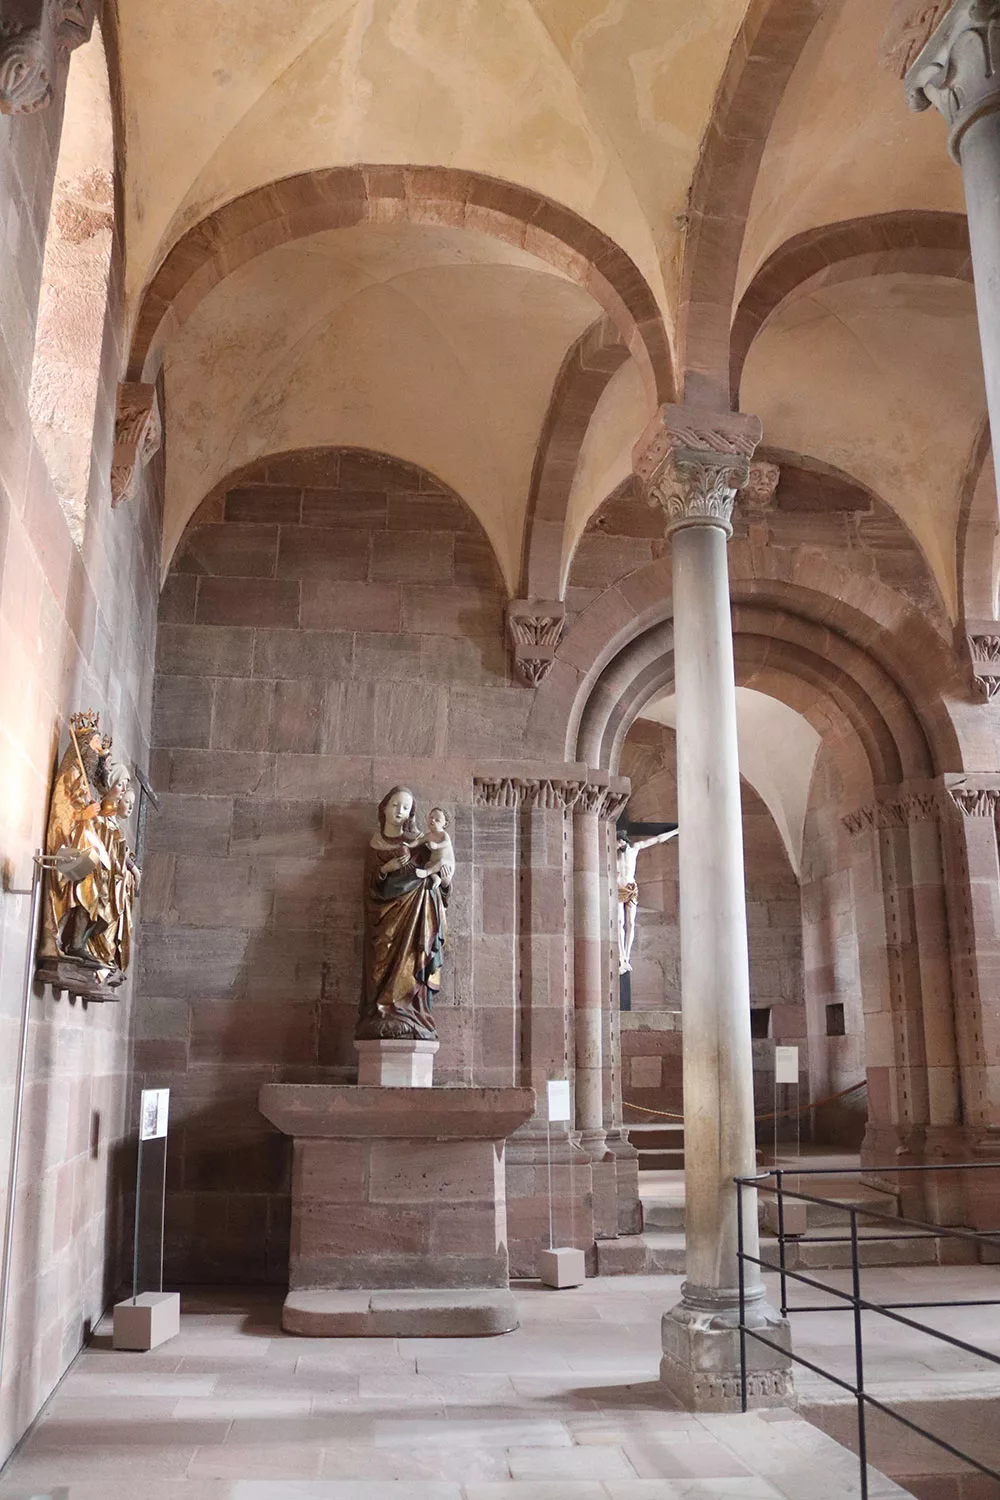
[(147, 1320), (561, 1268)]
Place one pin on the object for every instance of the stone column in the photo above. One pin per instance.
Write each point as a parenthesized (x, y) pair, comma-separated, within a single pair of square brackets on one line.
[(691, 462), (956, 67), (588, 999)]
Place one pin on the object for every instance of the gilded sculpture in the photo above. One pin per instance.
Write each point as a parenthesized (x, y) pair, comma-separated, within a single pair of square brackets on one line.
[(408, 877), (87, 920)]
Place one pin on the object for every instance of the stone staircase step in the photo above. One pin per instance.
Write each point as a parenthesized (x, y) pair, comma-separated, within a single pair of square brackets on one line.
[(658, 1214), (655, 1252), (874, 1250)]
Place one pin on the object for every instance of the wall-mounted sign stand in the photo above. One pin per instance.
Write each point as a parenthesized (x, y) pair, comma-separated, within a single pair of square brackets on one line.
[(148, 1318)]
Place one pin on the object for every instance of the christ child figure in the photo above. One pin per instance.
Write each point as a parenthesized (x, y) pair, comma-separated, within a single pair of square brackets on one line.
[(436, 855)]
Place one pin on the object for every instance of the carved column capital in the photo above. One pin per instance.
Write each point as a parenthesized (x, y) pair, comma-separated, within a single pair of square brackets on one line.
[(33, 36), (982, 638), (956, 68), (138, 434), (975, 796), (691, 461), (552, 794), (534, 630), (908, 805)]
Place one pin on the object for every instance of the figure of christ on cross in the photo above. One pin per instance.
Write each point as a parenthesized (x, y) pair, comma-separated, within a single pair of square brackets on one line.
[(629, 846)]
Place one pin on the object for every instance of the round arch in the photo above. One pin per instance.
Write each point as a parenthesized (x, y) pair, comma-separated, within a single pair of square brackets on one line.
[(311, 202)]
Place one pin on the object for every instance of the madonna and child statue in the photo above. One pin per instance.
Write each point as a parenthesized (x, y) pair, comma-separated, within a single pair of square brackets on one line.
[(407, 882)]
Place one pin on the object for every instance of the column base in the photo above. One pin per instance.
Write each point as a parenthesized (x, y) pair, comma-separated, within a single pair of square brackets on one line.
[(701, 1358)]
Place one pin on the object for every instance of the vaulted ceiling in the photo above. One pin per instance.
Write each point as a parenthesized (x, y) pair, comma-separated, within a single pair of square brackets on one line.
[(553, 164)]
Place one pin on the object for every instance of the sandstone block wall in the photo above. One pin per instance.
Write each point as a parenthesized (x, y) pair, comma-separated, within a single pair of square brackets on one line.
[(77, 629), (331, 625)]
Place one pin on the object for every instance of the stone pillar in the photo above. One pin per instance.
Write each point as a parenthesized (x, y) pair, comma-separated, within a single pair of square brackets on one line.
[(956, 67), (588, 1002), (914, 1105), (691, 463)]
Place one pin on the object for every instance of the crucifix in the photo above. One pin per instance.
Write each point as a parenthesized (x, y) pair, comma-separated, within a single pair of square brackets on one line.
[(631, 839)]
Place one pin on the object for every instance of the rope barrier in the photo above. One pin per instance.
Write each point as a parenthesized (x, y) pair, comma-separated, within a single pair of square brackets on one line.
[(804, 1109)]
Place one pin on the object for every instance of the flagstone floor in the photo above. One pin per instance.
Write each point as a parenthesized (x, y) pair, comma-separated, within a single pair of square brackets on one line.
[(567, 1408)]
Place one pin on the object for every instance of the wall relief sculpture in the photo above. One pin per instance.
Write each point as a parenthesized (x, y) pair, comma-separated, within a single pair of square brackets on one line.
[(408, 878), (87, 919)]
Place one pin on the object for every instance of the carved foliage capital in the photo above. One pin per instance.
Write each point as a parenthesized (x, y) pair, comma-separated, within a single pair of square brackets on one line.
[(910, 28), (975, 801), (691, 461), (550, 794), (921, 806), (534, 630), (956, 69), (137, 438), (983, 642), (33, 35)]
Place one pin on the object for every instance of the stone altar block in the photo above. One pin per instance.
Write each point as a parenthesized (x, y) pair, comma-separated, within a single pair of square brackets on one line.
[(399, 1218)]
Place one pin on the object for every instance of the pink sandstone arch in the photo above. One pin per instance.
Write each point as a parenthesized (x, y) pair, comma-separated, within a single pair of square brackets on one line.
[(914, 241), (767, 47), (589, 366), (978, 560), (311, 202), (863, 627)]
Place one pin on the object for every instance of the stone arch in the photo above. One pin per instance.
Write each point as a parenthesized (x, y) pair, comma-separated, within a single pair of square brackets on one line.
[(857, 621), (761, 60), (589, 366), (977, 541), (310, 202), (914, 241), (72, 306)]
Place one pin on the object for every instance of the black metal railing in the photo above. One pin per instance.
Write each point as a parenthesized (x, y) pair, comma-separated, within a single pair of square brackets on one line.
[(910, 1229)]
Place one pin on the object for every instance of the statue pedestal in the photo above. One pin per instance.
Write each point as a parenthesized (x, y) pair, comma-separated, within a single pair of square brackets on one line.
[(399, 1219), (397, 1065)]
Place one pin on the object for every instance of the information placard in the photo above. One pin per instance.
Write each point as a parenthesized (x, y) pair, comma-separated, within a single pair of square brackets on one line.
[(786, 1064), (558, 1100), (154, 1109)]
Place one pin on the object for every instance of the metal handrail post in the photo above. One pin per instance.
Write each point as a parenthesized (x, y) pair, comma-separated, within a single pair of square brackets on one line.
[(743, 1300), (781, 1242), (859, 1359)]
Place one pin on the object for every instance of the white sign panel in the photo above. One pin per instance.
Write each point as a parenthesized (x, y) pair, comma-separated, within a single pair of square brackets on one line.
[(558, 1091), (153, 1111), (786, 1064)]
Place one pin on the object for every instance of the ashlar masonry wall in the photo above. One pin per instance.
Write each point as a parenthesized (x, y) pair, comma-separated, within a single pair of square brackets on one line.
[(77, 629), (331, 625)]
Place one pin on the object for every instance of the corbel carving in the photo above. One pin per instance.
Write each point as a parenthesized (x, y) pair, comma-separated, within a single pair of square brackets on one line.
[(757, 496), (982, 637), (534, 629), (910, 28), (957, 70), (691, 462), (33, 36), (137, 438)]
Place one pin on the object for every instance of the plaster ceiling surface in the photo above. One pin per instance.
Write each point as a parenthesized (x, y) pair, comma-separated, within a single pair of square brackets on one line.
[(777, 748), (599, 104), (439, 346), (844, 143), (883, 378), (619, 419)]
